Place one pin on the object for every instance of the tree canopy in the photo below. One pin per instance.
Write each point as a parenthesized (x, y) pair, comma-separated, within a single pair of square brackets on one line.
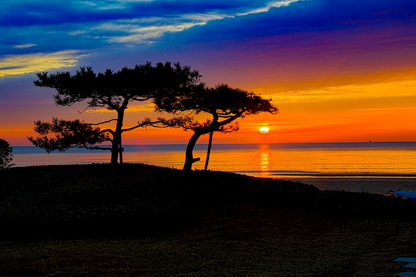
[(113, 91), (68, 134), (223, 103)]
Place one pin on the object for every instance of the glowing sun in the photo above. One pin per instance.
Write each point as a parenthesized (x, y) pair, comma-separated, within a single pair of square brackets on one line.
[(264, 130)]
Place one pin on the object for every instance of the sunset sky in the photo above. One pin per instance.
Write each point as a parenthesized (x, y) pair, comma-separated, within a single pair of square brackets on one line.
[(339, 71)]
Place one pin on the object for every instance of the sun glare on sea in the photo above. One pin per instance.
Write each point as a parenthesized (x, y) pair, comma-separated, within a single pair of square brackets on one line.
[(264, 130)]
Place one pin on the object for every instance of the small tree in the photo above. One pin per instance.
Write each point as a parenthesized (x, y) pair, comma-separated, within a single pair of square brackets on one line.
[(68, 134), (5, 154), (223, 103), (113, 91)]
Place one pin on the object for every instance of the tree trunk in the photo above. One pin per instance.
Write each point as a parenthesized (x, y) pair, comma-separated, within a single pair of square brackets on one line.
[(115, 148), (209, 150), (121, 153), (116, 143), (189, 158)]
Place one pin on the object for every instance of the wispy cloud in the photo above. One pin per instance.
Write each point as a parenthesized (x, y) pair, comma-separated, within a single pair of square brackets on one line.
[(146, 30), (91, 24), (21, 64), (22, 46), (390, 109), (111, 4), (273, 4), (342, 92), (139, 31)]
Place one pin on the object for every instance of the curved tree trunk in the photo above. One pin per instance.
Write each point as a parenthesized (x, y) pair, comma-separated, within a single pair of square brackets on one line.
[(189, 158)]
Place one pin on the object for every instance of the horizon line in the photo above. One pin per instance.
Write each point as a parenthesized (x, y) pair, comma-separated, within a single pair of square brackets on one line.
[(327, 142)]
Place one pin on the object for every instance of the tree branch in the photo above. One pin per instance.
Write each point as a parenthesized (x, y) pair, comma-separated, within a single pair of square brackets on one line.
[(97, 148), (83, 109), (134, 127), (176, 122), (107, 130), (230, 119), (99, 123)]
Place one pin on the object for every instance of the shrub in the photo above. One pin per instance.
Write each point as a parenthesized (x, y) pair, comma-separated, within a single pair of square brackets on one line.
[(5, 154)]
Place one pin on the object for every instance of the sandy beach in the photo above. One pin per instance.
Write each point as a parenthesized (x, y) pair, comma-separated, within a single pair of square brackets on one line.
[(359, 184)]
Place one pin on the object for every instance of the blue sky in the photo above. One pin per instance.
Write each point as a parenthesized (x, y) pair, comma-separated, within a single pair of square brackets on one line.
[(74, 31)]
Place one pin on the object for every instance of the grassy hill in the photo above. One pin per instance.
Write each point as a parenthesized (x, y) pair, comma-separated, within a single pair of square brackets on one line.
[(82, 199), (143, 220)]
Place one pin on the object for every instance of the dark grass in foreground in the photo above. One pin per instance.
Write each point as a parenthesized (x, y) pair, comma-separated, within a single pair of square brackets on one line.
[(143, 220)]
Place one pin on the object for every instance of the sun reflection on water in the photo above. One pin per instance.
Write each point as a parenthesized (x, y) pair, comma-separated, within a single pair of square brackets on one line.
[(264, 158)]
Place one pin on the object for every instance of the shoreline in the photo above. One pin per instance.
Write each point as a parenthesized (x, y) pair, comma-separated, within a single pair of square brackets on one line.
[(352, 182), (368, 184), (313, 174)]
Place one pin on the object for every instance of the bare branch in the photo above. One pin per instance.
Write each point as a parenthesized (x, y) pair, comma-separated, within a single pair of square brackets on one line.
[(99, 123), (83, 110), (175, 122), (107, 130), (98, 148)]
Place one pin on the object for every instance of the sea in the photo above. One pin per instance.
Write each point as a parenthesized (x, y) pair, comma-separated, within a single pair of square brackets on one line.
[(324, 164)]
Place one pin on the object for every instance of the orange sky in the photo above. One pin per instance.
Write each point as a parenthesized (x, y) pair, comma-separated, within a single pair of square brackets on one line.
[(344, 113)]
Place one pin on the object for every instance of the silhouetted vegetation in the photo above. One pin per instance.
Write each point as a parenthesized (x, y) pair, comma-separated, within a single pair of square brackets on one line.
[(173, 89), (6, 155), (101, 219), (113, 91), (68, 134), (87, 199), (223, 103)]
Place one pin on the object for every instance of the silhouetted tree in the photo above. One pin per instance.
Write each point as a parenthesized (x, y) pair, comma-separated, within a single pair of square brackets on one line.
[(5, 154), (223, 103), (110, 90), (68, 134)]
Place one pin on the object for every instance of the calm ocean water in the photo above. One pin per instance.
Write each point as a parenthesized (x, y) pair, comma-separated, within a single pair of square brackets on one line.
[(374, 159)]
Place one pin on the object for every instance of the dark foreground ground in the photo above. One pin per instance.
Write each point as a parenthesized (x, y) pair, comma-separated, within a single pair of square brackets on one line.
[(139, 220)]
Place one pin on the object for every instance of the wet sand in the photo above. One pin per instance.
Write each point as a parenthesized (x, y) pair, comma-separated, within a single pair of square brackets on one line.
[(359, 184)]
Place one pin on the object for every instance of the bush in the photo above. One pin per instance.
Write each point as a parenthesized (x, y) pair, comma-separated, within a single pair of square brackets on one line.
[(5, 154)]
